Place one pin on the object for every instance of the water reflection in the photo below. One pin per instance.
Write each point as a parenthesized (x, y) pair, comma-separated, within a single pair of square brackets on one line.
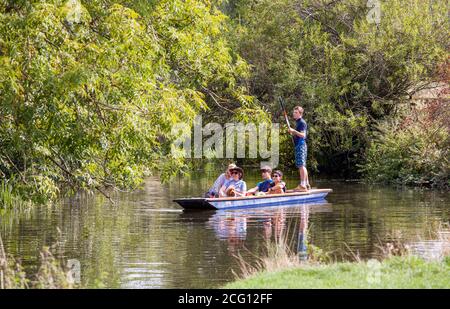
[(302, 249), (231, 225), (434, 249), (146, 241)]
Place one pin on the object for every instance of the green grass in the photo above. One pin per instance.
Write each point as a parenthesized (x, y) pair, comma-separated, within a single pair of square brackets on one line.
[(395, 272)]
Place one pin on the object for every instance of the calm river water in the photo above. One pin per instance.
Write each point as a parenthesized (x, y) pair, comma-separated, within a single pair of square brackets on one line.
[(146, 241)]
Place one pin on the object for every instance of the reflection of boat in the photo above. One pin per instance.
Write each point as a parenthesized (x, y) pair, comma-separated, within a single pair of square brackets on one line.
[(314, 195), (232, 224), (229, 226)]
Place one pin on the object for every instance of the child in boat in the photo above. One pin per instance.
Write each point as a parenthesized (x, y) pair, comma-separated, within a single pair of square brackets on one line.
[(279, 187), (235, 186), (263, 186), (220, 181)]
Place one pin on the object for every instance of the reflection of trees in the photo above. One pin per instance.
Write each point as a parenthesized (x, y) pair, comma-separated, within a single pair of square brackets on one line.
[(365, 215), (118, 243)]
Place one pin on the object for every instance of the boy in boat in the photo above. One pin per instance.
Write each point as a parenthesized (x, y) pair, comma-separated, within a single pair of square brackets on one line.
[(263, 186), (279, 187), (300, 134), (235, 186), (214, 190)]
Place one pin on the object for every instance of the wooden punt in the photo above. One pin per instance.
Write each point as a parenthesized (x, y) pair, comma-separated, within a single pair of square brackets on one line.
[(314, 195)]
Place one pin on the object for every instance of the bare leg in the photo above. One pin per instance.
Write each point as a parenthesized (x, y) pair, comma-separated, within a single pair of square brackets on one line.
[(304, 181), (307, 179), (302, 170), (303, 174)]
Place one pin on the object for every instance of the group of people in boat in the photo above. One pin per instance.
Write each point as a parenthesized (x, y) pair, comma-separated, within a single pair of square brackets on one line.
[(231, 182)]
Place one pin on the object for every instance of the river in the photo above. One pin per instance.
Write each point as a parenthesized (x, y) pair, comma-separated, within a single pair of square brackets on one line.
[(145, 240)]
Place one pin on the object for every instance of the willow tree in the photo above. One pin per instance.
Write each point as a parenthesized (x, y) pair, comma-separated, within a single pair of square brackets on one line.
[(89, 90)]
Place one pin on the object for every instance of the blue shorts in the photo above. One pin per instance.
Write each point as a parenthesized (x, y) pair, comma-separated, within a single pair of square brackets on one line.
[(301, 151)]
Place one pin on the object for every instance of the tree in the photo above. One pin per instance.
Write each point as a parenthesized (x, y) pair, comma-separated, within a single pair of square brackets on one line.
[(347, 70), (90, 90)]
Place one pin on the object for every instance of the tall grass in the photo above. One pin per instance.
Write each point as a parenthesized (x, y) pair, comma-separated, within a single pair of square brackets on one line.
[(51, 274), (9, 199), (279, 255)]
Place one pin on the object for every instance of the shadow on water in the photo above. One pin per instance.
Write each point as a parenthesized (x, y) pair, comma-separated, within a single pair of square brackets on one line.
[(146, 241)]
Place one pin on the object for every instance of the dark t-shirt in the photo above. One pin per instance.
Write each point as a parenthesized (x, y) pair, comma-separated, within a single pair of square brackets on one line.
[(301, 126), (264, 186)]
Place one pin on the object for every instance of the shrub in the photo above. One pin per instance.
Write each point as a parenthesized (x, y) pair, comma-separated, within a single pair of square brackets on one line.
[(413, 151)]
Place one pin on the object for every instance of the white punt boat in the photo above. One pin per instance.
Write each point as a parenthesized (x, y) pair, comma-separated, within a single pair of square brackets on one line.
[(313, 195)]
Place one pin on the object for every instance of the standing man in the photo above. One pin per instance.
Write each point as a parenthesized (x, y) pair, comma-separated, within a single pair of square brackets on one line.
[(301, 149)]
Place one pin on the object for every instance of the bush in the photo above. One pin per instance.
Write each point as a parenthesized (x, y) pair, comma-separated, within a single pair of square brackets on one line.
[(52, 274), (414, 151)]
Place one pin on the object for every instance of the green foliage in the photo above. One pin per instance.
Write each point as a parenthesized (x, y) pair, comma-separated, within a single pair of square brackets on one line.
[(51, 275), (89, 90), (9, 198), (346, 71), (415, 151)]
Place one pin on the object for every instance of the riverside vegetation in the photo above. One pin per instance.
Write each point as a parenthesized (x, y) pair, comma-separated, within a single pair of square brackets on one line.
[(396, 267), (51, 273)]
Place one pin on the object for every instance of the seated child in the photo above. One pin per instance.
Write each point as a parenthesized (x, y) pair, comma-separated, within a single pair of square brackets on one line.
[(279, 187)]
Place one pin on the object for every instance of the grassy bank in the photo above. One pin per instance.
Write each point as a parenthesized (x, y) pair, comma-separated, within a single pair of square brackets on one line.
[(397, 267), (394, 272)]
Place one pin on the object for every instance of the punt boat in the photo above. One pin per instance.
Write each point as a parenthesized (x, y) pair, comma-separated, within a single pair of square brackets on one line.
[(198, 203)]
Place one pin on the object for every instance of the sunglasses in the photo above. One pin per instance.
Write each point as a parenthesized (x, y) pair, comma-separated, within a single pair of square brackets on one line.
[(276, 175), (234, 173)]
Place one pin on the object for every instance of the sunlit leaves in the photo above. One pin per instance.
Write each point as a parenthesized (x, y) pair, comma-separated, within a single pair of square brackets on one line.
[(90, 90)]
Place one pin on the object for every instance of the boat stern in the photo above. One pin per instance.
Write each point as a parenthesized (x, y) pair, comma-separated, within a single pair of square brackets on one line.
[(194, 203)]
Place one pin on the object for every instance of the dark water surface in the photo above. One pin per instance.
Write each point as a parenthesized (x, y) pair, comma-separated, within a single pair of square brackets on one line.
[(146, 241)]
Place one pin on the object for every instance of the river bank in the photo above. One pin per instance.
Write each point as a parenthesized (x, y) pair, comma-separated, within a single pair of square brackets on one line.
[(399, 265), (394, 273)]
